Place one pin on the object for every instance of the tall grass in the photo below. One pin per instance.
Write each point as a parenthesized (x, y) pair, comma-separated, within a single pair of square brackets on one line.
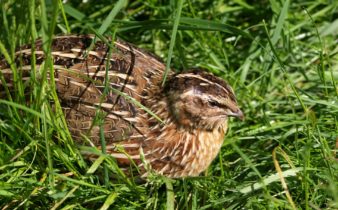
[(281, 57)]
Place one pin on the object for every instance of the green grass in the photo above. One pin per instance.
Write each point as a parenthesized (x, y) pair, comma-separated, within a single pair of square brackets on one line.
[(281, 57)]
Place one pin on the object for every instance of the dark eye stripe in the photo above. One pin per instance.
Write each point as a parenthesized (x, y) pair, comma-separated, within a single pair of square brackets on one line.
[(214, 103)]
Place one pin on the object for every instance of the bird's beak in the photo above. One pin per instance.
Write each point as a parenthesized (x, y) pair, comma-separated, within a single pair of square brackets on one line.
[(238, 114)]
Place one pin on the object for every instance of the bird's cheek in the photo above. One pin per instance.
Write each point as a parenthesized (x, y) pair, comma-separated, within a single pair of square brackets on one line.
[(185, 118)]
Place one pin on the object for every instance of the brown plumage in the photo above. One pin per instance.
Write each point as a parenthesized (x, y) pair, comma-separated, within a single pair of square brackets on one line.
[(194, 106)]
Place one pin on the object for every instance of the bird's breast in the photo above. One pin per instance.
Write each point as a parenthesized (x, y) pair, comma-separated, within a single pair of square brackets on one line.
[(178, 153)]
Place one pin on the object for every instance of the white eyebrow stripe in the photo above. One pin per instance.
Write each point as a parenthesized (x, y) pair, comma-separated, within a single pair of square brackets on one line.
[(189, 75)]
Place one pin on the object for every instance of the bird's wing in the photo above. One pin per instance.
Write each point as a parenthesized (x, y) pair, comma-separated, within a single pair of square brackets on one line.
[(96, 84)]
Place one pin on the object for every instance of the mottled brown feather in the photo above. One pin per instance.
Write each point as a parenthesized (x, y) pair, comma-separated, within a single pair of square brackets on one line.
[(194, 105)]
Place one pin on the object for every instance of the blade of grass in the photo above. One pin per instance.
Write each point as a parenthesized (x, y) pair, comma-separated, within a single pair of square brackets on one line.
[(64, 16), (214, 26), (282, 179), (22, 107), (108, 21), (104, 150), (69, 194), (281, 20), (283, 69), (170, 194), (109, 201), (82, 183), (172, 40), (270, 179), (78, 15)]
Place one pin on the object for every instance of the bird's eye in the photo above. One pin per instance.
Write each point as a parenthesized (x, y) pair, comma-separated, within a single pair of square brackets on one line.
[(213, 103)]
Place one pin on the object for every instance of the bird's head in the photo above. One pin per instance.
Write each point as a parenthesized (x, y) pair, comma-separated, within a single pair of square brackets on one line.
[(197, 99)]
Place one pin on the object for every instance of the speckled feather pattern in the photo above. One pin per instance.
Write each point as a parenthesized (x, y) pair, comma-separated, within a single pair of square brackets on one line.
[(173, 148)]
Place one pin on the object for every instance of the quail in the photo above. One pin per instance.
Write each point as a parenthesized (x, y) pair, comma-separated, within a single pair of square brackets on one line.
[(177, 128)]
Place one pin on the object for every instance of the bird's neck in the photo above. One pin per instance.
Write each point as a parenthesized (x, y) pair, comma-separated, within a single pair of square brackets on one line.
[(183, 152)]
